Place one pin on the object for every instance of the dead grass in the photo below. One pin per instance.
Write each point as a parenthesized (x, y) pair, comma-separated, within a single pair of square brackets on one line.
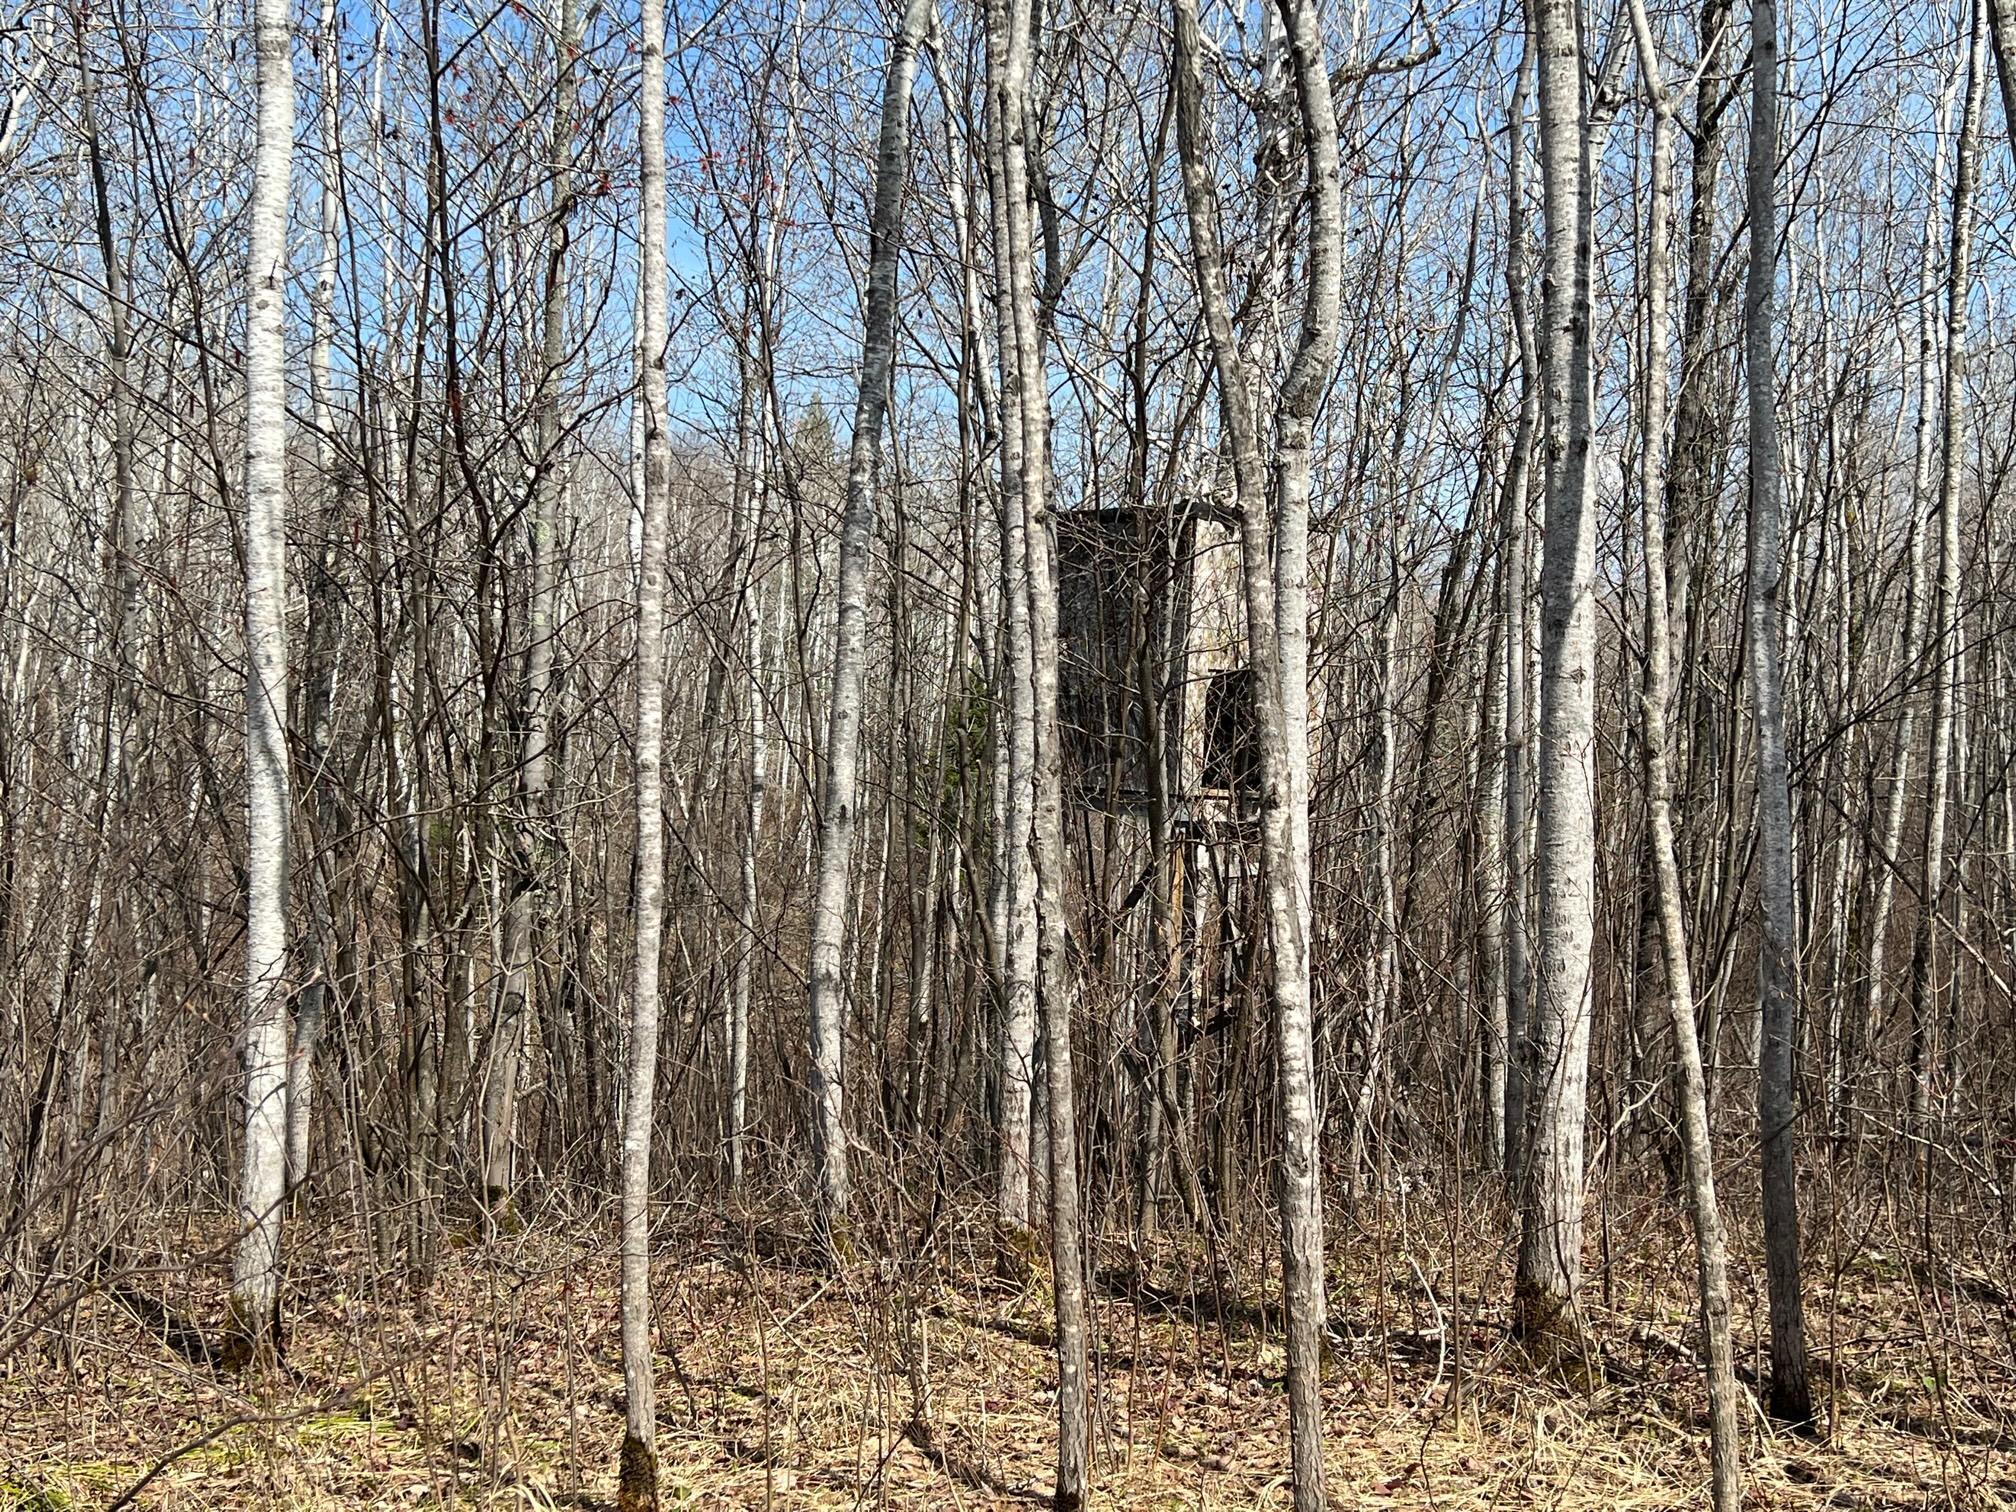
[(929, 1386)]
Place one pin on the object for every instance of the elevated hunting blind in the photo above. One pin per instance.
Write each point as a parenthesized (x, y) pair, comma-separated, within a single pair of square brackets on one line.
[(1152, 625)]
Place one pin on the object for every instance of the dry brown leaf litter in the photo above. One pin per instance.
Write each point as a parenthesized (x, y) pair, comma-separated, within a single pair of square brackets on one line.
[(930, 1386)]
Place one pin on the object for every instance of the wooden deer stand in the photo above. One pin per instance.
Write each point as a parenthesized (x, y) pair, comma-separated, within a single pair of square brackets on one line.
[(1153, 674), (1162, 774)]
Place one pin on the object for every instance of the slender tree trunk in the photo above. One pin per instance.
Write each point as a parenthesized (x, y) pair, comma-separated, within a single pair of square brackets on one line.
[(1778, 964), (324, 608), (1518, 652), (120, 581), (1276, 583), (839, 817), (761, 642), (1382, 975), (637, 1486), (1501, 800), (1285, 728), (1015, 895), (1700, 447), (1948, 643), (1916, 595), (255, 1272), (1057, 995), (119, 584), (1011, 45), (1547, 1311), (924, 894), (1489, 896), (1010, 966), (1710, 1246), (533, 846)]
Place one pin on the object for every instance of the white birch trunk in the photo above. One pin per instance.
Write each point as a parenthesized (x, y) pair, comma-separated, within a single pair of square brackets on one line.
[(312, 1008), (1518, 652), (637, 1486), (255, 1272), (838, 819), (1025, 390), (762, 641), (1917, 588), (1016, 906), (1015, 898), (1276, 563), (1547, 1312), (1948, 647), (1289, 882), (1710, 1245), (1490, 888)]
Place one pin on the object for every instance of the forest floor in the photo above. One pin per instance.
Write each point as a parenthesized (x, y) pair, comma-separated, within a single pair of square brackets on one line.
[(931, 1385)]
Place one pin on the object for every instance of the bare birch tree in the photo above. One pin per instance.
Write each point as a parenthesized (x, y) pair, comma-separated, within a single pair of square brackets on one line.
[(1518, 655), (1274, 552), (1947, 648), (255, 1271), (1014, 901), (1547, 1310), (312, 1007), (839, 816), (1917, 586), (1025, 390), (1284, 740), (637, 1486), (1710, 1244)]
